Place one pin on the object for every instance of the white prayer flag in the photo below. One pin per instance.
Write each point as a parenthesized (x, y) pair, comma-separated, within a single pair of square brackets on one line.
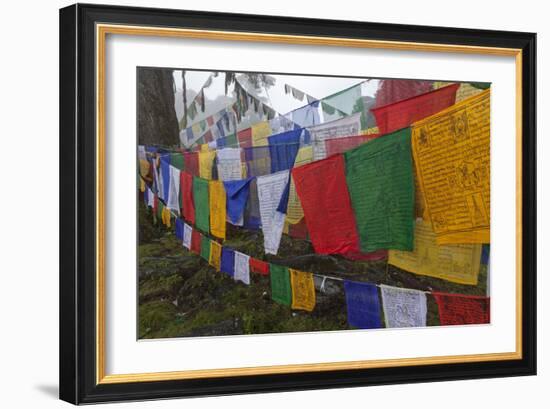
[(404, 307), (348, 126), (150, 197), (173, 202), (141, 152), (242, 268), (187, 234), (270, 190), (158, 180), (229, 164)]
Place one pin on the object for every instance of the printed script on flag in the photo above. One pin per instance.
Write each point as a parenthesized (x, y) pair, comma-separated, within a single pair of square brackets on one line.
[(458, 263), (451, 152)]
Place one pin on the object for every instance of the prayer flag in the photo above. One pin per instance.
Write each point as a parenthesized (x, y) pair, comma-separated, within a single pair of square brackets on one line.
[(228, 261), (381, 186), (215, 254), (259, 266), (363, 305), (196, 238), (187, 236), (165, 176), (456, 309), (341, 145), (329, 217), (205, 247), (283, 148), (179, 229), (260, 131), (166, 216), (242, 267), (458, 263), (206, 160), (229, 164), (348, 126), (176, 159), (452, 156), (245, 138), (258, 161), (173, 202), (303, 290), (192, 163), (202, 206), (217, 208), (270, 190), (391, 91), (402, 114), (404, 307), (187, 202), (237, 196), (295, 213), (281, 291)]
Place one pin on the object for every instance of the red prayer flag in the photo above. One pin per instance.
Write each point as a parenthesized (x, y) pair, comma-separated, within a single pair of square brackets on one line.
[(196, 238), (210, 121), (208, 136), (457, 309), (391, 91), (245, 138), (402, 114), (186, 191), (298, 230), (258, 266), (191, 160), (323, 192), (340, 145)]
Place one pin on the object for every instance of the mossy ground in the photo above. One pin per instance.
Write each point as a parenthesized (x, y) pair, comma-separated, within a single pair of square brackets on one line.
[(180, 295)]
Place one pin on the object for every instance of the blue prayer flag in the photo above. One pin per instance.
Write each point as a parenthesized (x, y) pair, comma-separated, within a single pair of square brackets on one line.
[(227, 264), (363, 305), (237, 196), (283, 149), (189, 133), (179, 229), (165, 175)]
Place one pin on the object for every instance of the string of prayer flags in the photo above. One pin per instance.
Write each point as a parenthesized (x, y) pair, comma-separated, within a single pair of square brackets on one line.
[(458, 263), (380, 181), (270, 190), (260, 131), (237, 197), (259, 266), (205, 247), (281, 291), (363, 305), (283, 149), (245, 138), (403, 307), (173, 201), (192, 163), (242, 268), (217, 199), (401, 114), (343, 144), (179, 229), (456, 309), (391, 91), (452, 156), (215, 254), (187, 202), (348, 126), (229, 164), (201, 203), (187, 236), (303, 290), (206, 160), (227, 264), (196, 238), (330, 220)]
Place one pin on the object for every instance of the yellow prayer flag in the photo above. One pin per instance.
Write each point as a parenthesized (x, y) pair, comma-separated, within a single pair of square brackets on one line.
[(217, 208), (144, 168), (206, 159), (215, 254), (451, 153), (295, 213), (303, 290), (370, 131), (166, 215), (196, 129), (260, 132), (141, 185), (204, 147), (458, 263)]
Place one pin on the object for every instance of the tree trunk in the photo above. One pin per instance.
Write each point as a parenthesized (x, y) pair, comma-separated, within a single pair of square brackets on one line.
[(157, 121)]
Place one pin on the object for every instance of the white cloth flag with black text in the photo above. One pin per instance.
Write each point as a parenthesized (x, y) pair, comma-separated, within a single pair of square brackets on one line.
[(174, 191), (270, 190), (404, 307), (242, 268), (187, 234)]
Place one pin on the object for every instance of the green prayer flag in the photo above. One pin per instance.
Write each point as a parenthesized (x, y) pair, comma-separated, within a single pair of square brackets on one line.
[(231, 141), (281, 290), (160, 208), (176, 160), (202, 207), (380, 181), (205, 247)]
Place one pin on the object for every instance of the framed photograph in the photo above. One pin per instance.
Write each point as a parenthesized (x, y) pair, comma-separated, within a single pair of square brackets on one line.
[(256, 203)]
